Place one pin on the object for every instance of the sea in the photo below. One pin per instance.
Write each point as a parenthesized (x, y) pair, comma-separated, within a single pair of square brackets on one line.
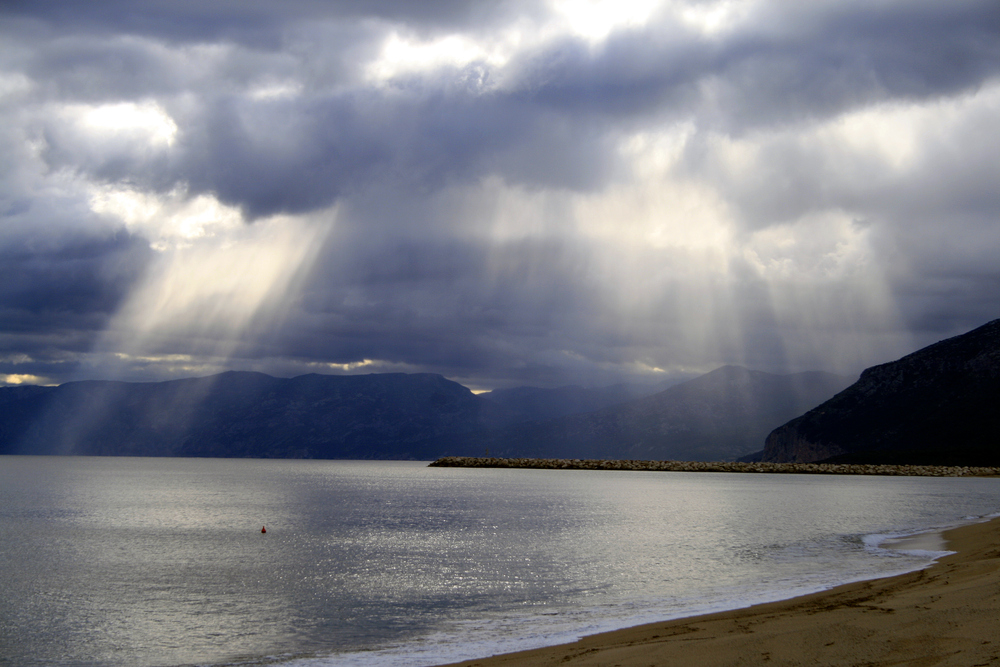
[(158, 562)]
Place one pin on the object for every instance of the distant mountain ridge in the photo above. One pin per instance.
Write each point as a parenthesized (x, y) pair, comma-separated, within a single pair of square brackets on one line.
[(242, 414), (539, 404), (723, 414), (937, 406)]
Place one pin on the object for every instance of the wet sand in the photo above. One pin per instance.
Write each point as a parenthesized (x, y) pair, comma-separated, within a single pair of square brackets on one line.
[(947, 614)]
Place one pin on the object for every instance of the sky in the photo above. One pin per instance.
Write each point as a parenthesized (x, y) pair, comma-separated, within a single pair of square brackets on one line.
[(506, 192)]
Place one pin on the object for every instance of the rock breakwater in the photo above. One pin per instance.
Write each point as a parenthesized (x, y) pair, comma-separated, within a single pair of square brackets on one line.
[(717, 466)]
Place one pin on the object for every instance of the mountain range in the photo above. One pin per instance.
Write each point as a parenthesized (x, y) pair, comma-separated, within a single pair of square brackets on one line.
[(720, 415), (935, 406)]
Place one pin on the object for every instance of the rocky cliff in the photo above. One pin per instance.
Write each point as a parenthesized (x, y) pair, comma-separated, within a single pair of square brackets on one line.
[(939, 405)]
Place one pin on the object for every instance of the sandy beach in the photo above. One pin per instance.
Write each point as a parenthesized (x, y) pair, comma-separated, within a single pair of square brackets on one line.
[(947, 614)]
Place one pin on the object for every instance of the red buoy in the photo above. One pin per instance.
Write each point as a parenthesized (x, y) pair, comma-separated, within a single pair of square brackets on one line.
[(263, 529)]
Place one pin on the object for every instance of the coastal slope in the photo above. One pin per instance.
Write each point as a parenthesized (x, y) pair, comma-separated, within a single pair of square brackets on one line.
[(937, 406)]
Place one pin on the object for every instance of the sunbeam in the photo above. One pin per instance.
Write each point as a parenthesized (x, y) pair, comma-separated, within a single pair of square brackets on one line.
[(215, 282)]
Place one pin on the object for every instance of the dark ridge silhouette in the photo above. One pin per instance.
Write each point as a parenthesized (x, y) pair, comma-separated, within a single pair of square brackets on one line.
[(721, 415), (937, 406), (242, 414)]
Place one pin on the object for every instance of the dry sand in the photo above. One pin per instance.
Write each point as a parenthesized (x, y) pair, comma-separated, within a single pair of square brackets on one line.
[(948, 614)]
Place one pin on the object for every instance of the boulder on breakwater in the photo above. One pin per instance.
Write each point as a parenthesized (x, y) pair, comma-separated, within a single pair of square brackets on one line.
[(717, 466)]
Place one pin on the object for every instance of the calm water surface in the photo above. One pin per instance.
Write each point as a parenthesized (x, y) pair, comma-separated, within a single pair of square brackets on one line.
[(150, 562)]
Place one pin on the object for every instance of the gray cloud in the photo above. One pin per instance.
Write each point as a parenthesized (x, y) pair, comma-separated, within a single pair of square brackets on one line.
[(550, 122), (257, 23), (484, 217)]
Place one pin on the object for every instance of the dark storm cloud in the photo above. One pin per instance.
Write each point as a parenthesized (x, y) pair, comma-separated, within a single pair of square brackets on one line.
[(799, 63), (293, 156), (82, 277), (550, 121), (96, 70), (276, 113), (316, 152), (790, 63), (255, 22), (57, 294)]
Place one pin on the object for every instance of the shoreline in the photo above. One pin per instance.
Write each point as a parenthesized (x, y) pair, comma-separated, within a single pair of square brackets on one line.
[(718, 466), (944, 614)]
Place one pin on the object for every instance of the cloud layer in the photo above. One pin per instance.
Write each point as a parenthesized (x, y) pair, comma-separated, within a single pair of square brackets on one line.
[(503, 192)]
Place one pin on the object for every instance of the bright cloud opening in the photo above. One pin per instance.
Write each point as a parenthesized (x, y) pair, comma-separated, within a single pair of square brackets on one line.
[(145, 120), (594, 20), (407, 55), (713, 18), (826, 246), (170, 220), (21, 378)]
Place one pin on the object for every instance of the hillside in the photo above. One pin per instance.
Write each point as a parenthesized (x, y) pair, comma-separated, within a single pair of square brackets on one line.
[(721, 415), (937, 406), (241, 414), (540, 404)]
